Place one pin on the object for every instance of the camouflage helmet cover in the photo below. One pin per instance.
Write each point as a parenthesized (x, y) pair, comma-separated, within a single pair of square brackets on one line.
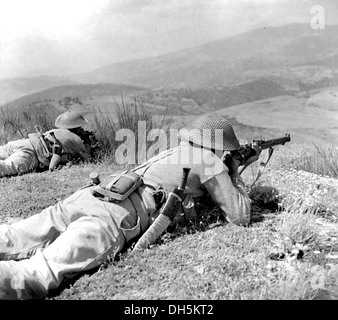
[(70, 119)]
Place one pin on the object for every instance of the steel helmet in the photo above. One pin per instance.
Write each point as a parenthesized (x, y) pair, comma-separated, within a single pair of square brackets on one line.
[(70, 119), (212, 131)]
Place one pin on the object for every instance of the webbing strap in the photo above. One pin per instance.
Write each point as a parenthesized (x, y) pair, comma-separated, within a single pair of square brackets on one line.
[(262, 167), (151, 183), (148, 164), (153, 160)]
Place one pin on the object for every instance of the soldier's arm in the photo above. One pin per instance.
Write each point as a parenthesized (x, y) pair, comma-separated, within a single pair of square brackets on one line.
[(230, 195)]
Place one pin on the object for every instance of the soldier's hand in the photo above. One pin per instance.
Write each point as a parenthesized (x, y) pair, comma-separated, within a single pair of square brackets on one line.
[(231, 163), (253, 156)]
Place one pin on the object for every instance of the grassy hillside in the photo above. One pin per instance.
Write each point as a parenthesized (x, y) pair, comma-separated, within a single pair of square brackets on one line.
[(288, 252), (89, 98), (267, 82), (44, 106), (310, 116)]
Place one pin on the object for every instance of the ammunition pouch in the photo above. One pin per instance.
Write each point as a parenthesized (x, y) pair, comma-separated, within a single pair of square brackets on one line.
[(118, 186)]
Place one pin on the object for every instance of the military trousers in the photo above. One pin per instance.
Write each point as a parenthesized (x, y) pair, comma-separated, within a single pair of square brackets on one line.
[(74, 235), (17, 157)]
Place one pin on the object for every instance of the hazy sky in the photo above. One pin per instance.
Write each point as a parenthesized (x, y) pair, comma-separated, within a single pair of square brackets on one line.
[(68, 36)]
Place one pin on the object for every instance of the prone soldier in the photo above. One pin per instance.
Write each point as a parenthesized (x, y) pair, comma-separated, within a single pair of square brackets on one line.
[(78, 233), (39, 151), (74, 121)]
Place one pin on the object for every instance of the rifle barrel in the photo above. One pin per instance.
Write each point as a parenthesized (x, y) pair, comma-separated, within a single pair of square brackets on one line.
[(265, 144)]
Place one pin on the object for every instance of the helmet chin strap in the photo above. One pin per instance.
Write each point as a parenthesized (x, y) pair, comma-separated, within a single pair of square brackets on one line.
[(214, 151)]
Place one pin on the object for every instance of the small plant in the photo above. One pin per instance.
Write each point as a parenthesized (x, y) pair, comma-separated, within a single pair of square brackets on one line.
[(265, 196), (297, 223)]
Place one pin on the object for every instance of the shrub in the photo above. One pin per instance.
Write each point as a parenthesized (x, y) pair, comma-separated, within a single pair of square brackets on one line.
[(127, 116), (265, 196), (297, 224)]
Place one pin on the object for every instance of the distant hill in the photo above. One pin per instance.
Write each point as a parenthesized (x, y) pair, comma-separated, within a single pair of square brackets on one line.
[(310, 117), (273, 51), (295, 57), (11, 89), (79, 92)]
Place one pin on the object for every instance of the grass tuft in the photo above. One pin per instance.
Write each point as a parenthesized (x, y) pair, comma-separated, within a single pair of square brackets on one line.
[(133, 118)]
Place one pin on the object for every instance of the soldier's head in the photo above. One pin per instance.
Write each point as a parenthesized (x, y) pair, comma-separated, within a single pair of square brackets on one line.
[(71, 120), (211, 131)]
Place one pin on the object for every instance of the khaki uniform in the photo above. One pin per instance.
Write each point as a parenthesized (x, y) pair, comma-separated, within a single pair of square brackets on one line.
[(80, 232), (27, 155), (17, 157)]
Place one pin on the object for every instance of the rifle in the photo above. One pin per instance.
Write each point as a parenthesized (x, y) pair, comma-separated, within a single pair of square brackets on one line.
[(265, 144), (248, 150)]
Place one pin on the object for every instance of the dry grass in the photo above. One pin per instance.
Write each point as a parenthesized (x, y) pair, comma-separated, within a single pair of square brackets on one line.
[(127, 116), (312, 158), (281, 255), (16, 125), (202, 259)]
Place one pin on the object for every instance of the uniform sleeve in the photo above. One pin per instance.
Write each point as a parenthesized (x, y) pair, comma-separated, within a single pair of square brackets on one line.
[(230, 195)]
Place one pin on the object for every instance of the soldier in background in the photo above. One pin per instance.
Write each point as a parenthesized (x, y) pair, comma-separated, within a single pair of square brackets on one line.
[(39, 151), (74, 121)]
